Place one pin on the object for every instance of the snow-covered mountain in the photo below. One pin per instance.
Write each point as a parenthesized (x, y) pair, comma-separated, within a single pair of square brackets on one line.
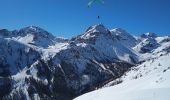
[(37, 65), (148, 80), (108, 44), (30, 35), (149, 42), (148, 35)]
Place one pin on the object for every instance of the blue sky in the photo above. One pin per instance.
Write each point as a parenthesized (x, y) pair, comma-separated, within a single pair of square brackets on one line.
[(69, 18)]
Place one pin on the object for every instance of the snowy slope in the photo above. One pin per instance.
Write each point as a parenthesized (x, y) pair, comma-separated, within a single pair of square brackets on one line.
[(124, 37), (15, 56), (148, 42), (146, 81), (146, 45)]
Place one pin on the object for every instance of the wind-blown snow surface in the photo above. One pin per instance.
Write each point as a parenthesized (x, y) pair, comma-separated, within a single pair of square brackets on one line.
[(146, 81)]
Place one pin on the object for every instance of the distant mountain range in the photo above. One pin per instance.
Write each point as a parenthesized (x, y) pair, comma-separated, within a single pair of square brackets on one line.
[(37, 65)]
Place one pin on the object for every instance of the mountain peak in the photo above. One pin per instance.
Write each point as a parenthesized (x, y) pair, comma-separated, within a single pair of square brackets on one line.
[(4, 32), (94, 31), (149, 35), (32, 28), (97, 28)]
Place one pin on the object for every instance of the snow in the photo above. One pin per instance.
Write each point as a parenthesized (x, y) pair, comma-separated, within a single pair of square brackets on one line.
[(110, 46), (149, 35), (159, 39), (124, 37), (81, 44), (109, 94), (51, 51), (97, 28), (19, 76), (147, 81)]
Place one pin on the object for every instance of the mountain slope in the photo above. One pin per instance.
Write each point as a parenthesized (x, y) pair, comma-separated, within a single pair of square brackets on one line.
[(124, 37), (146, 81), (37, 63), (110, 45), (30, 35)]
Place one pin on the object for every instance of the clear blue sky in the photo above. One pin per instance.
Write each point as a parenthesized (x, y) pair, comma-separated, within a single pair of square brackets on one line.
[(69, 18)]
